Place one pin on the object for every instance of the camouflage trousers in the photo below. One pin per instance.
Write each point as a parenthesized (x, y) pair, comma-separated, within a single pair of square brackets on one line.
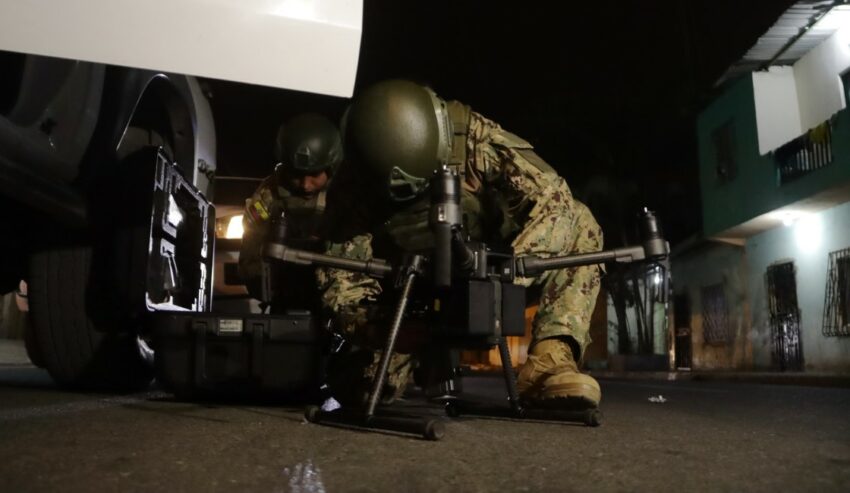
[(350, 376), (567, 297)]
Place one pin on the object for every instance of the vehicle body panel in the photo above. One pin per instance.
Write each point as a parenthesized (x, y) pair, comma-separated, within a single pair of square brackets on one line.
[(306, 45), (51, 89), (55, 135)]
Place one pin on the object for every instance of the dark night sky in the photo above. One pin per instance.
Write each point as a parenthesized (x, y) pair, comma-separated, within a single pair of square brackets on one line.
[(606, 91)]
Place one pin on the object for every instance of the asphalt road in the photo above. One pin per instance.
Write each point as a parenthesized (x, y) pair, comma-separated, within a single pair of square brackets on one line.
[(705, 436)]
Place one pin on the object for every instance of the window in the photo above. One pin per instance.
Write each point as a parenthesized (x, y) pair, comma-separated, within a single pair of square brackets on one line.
[(836, 308), (715, 314), (723, 138)]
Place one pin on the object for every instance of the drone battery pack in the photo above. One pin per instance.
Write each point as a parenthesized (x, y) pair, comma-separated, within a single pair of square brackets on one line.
[(479, 309)]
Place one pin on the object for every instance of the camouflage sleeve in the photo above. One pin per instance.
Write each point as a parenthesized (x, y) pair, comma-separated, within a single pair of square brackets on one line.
[(482, 160), (260, 208), (344, 292), (536, 197), (544, 205)]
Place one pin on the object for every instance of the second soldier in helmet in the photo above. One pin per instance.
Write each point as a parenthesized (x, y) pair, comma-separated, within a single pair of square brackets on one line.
[(397, 134), (309, 151)]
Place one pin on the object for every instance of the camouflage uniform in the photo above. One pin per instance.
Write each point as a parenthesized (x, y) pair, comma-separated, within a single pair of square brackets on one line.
[(303, 216), (511, 194)]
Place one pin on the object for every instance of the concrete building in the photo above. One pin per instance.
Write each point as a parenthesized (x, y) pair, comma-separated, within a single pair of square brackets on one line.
[(767, 284)]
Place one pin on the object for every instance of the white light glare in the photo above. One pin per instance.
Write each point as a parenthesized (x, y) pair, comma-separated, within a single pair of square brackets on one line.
[(788, 218), (175, 217), (234, 227), (657, 279), (808, 233), (837, 18), (295, 9)]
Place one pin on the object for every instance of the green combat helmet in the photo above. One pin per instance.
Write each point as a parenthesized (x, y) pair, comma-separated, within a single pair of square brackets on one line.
[(399, 132), (308, 144)]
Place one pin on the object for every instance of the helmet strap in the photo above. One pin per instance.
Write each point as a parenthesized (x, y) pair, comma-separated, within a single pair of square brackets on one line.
[(404, 187)]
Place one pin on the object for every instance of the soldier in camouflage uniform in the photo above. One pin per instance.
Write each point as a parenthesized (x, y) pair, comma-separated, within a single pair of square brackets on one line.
[(396, 134), (309, 150)]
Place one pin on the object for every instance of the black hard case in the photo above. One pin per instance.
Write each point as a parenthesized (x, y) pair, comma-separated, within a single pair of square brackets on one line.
[(203, 354)]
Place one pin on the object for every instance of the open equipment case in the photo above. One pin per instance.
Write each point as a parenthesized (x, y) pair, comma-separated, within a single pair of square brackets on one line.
[(199, 353)]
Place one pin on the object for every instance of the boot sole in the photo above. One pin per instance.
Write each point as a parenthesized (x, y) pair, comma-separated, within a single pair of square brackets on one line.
[(572, 403), (573, 393)]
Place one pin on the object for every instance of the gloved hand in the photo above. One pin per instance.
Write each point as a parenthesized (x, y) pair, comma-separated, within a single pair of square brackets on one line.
[(359, 324)]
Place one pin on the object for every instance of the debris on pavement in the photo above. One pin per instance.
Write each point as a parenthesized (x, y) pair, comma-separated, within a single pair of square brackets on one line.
[(658, 399), (330, 404)]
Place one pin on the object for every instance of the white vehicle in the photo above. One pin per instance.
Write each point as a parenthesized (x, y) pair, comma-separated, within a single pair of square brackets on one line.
[(94, 104)]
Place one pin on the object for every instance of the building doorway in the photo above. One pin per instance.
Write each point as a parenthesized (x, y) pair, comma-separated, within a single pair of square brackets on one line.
[(784, 317), (682, 318)]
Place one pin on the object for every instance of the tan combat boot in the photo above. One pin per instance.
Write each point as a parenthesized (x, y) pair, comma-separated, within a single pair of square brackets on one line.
[(550, 378)]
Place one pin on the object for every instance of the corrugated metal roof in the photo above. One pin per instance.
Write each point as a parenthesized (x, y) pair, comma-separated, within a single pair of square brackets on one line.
[(812, 20)]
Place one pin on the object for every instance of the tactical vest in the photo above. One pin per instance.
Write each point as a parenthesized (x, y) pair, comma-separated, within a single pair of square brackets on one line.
[(459, 115), (304, 216)]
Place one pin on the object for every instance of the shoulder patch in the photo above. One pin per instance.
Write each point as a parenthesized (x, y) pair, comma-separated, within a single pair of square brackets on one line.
[(258, 211)]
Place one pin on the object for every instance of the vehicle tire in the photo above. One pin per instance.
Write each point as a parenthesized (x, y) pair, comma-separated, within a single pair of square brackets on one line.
[(67, 323), (82, 319), (32, 347), (87, 290)]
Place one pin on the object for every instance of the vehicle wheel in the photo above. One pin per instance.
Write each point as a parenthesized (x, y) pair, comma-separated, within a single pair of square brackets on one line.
[(77, 350), (32, 347)]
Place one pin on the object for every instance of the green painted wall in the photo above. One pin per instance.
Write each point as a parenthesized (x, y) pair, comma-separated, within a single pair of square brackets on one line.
[(755, 189)]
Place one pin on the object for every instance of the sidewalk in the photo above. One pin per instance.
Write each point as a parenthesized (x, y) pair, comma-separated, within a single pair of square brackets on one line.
[(806, 379), (13, 353), (809, 379)]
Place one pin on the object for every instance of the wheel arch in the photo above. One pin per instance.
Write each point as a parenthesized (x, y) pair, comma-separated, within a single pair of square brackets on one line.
[(172, 105)]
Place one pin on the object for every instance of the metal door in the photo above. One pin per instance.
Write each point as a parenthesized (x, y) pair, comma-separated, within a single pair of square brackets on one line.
[(784, 317)]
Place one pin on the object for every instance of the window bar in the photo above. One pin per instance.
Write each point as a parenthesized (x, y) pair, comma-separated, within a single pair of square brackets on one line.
[(836, 319)]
